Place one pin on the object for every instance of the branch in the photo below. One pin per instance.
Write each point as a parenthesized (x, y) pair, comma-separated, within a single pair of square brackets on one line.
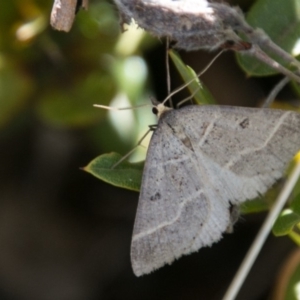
[(63, 13)]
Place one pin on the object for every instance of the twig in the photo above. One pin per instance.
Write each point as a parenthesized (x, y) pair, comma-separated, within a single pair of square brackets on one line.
[(262, 235)]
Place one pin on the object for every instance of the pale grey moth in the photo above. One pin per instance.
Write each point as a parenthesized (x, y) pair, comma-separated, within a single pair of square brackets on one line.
[(201, 161), (203, 24)]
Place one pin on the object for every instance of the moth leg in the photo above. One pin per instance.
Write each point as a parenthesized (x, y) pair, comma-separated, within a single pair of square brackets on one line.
[(234, 211), (151, 128)]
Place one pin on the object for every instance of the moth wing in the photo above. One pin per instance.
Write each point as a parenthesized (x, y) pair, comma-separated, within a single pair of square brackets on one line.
[(174, 216), (202, 159), (242, 150)]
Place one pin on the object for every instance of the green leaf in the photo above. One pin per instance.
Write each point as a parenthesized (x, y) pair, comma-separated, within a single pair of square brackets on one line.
[(295, 205), (285, 222), (295, 237), (201, 93), (281, 22), (125, 174), (254, 206), (15, 89)]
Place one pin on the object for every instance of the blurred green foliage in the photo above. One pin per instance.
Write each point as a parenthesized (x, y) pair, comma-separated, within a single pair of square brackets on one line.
[(58, 76)]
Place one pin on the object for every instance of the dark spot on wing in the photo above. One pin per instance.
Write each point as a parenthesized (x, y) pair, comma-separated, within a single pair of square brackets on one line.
[(187, 142), (173, 129), (245, 123), (156, 196)]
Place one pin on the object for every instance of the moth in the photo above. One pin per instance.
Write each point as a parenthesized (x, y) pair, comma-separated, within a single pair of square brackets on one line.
[(203, 24), (201, 161)]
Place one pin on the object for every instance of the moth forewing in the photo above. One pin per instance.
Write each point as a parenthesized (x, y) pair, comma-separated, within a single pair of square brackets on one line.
[(201, 161)]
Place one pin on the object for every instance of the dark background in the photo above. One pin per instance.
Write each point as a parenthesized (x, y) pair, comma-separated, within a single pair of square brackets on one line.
[(65, 234)]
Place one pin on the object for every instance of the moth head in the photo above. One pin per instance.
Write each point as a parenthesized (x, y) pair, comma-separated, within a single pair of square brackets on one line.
[(159, 108)]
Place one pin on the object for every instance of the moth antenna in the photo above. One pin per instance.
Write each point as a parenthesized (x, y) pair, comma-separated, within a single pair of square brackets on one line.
[(154, 101), (195, 78), (120, 108), (188, 98)]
